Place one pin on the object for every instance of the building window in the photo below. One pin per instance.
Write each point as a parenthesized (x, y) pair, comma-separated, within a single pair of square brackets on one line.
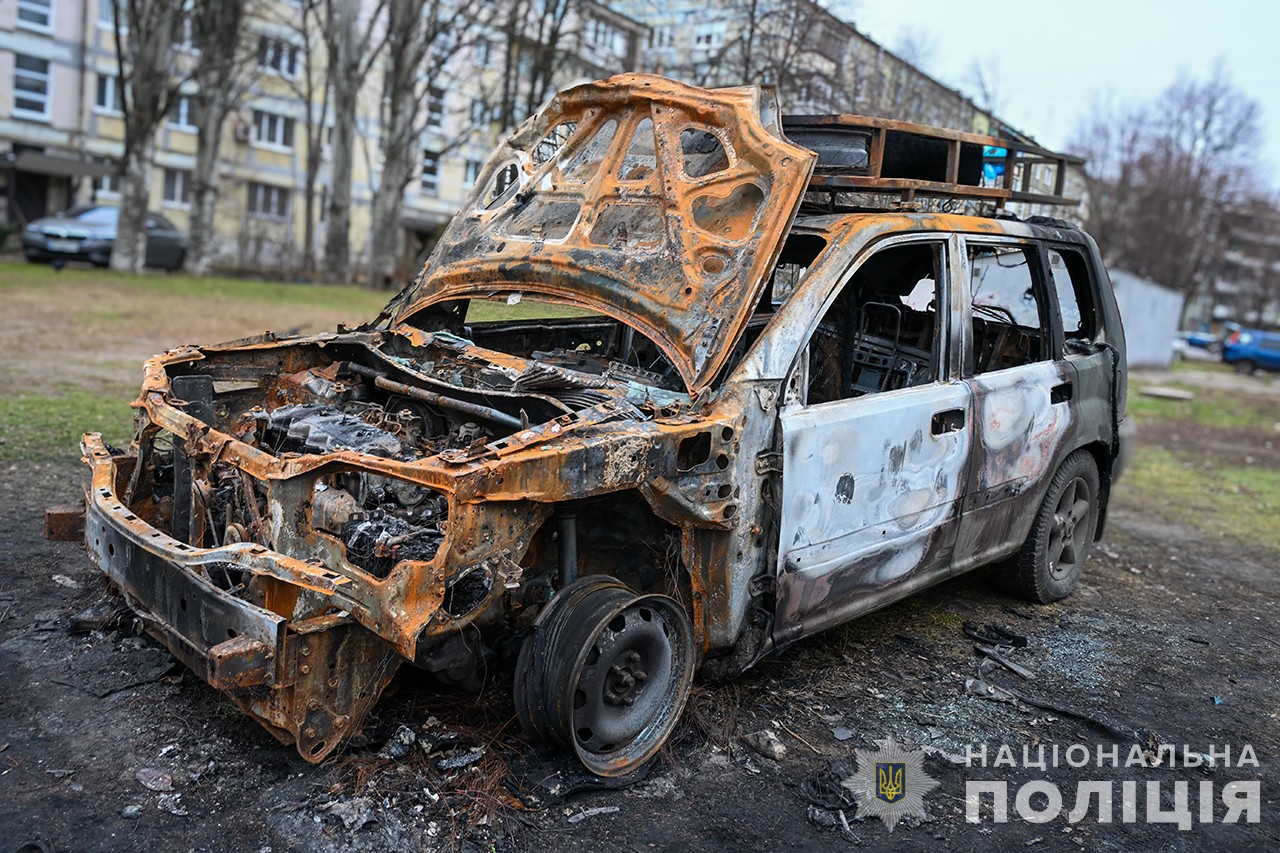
[(708, 36), (660, 37), (473, 172), (183, 114), (184, 33), (278, 56), (109, 98), (435, 108), (483, 49), (272, 129), (35, 15), (106, 187), (443, 47), (604, 37), (177, 187), (107, 15), (30, 86), (430, 172), (479, 113), (267, 201)]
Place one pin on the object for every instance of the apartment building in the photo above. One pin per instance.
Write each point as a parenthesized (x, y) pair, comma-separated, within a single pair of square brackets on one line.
[(62, 129), (45, 97)]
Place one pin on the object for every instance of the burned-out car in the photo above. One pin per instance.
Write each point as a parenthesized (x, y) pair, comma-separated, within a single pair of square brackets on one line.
[(725, 409)]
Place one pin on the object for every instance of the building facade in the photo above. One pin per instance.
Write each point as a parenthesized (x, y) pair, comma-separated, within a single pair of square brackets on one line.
[(62, 129)]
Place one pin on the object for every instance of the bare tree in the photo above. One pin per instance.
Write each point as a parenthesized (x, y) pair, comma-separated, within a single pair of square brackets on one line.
[(416, 30), (352, 47), (534, 38), (149, 84), (983, 78), (796, 46), (1161, 175), (916, 46), (310, 85), (221, 73)]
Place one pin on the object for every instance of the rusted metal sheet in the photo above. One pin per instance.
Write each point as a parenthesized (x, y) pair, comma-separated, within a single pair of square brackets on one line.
[(64, 523), (654, 202)]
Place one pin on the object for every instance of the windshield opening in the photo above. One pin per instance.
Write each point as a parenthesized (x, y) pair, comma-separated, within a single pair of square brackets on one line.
[(555, 334)]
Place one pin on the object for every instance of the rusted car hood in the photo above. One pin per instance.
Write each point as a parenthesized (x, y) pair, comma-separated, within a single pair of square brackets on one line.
[(659, 204)]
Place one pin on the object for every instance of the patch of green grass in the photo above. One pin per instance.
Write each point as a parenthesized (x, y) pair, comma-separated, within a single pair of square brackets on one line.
[(1182, 365), (1211, 407), (42, 427), (361, 302), (1239, 503)]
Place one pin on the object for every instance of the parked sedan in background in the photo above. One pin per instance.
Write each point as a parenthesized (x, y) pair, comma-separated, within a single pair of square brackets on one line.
[(87, 233), (1250, 349)]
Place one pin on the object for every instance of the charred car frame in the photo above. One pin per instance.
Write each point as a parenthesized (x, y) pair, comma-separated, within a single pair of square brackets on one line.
[(746, 418)]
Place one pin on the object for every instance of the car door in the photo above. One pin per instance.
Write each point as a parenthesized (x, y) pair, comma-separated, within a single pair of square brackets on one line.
[(874, 439), (1022, 393)]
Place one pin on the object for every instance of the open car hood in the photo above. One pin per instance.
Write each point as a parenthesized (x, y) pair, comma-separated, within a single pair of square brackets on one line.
[(660, 204)]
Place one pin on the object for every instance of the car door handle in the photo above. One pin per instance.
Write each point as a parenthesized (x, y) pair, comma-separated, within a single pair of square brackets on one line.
[(951, 420), (1060, 393)]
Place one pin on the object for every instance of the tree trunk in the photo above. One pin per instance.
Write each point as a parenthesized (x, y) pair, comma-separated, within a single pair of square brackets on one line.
[(129, 252), (346, 90), (388, 232), (205, 180)]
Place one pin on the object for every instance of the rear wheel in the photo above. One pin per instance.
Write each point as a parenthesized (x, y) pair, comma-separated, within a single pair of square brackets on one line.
[(1049, 564), (605, 673), (1245, 366)]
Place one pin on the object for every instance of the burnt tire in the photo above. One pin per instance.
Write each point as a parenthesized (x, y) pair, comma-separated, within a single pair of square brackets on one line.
[(1049, 565), (605, 673)]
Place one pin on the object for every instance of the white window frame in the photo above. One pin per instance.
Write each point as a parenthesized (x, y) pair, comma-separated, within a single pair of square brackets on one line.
[(270, 196), (472, 174), (45, 7), (114, 105), (182, 120), (274, 123), (182, 182), (107, 188), (283, 52), (186, 32), (22, 112), (435, 108), (429, 181)]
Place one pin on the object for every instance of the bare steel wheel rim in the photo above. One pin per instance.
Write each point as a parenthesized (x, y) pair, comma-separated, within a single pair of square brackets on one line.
[(625, 680), (605, 673), (1069, 531)]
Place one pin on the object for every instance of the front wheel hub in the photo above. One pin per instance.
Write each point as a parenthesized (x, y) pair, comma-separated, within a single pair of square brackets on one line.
[(606, 673)]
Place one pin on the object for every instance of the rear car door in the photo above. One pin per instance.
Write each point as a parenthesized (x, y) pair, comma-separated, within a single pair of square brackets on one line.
[(875, 449), (1022, 395)]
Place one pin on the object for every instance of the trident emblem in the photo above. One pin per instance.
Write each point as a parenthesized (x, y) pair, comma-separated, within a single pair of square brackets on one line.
[(891, 783)]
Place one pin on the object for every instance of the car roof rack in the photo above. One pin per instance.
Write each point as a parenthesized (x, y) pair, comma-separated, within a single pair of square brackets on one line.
[(865, 154)]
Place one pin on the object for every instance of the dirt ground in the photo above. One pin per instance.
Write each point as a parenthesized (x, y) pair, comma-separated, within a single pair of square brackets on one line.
[(1171, 639)]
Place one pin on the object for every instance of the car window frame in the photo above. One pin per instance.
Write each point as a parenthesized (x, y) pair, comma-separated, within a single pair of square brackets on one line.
[(1038, 264), (945, 332), (1093, 285)]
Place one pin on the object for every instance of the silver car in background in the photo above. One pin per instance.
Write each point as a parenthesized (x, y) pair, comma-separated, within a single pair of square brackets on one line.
[(88, 232)]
